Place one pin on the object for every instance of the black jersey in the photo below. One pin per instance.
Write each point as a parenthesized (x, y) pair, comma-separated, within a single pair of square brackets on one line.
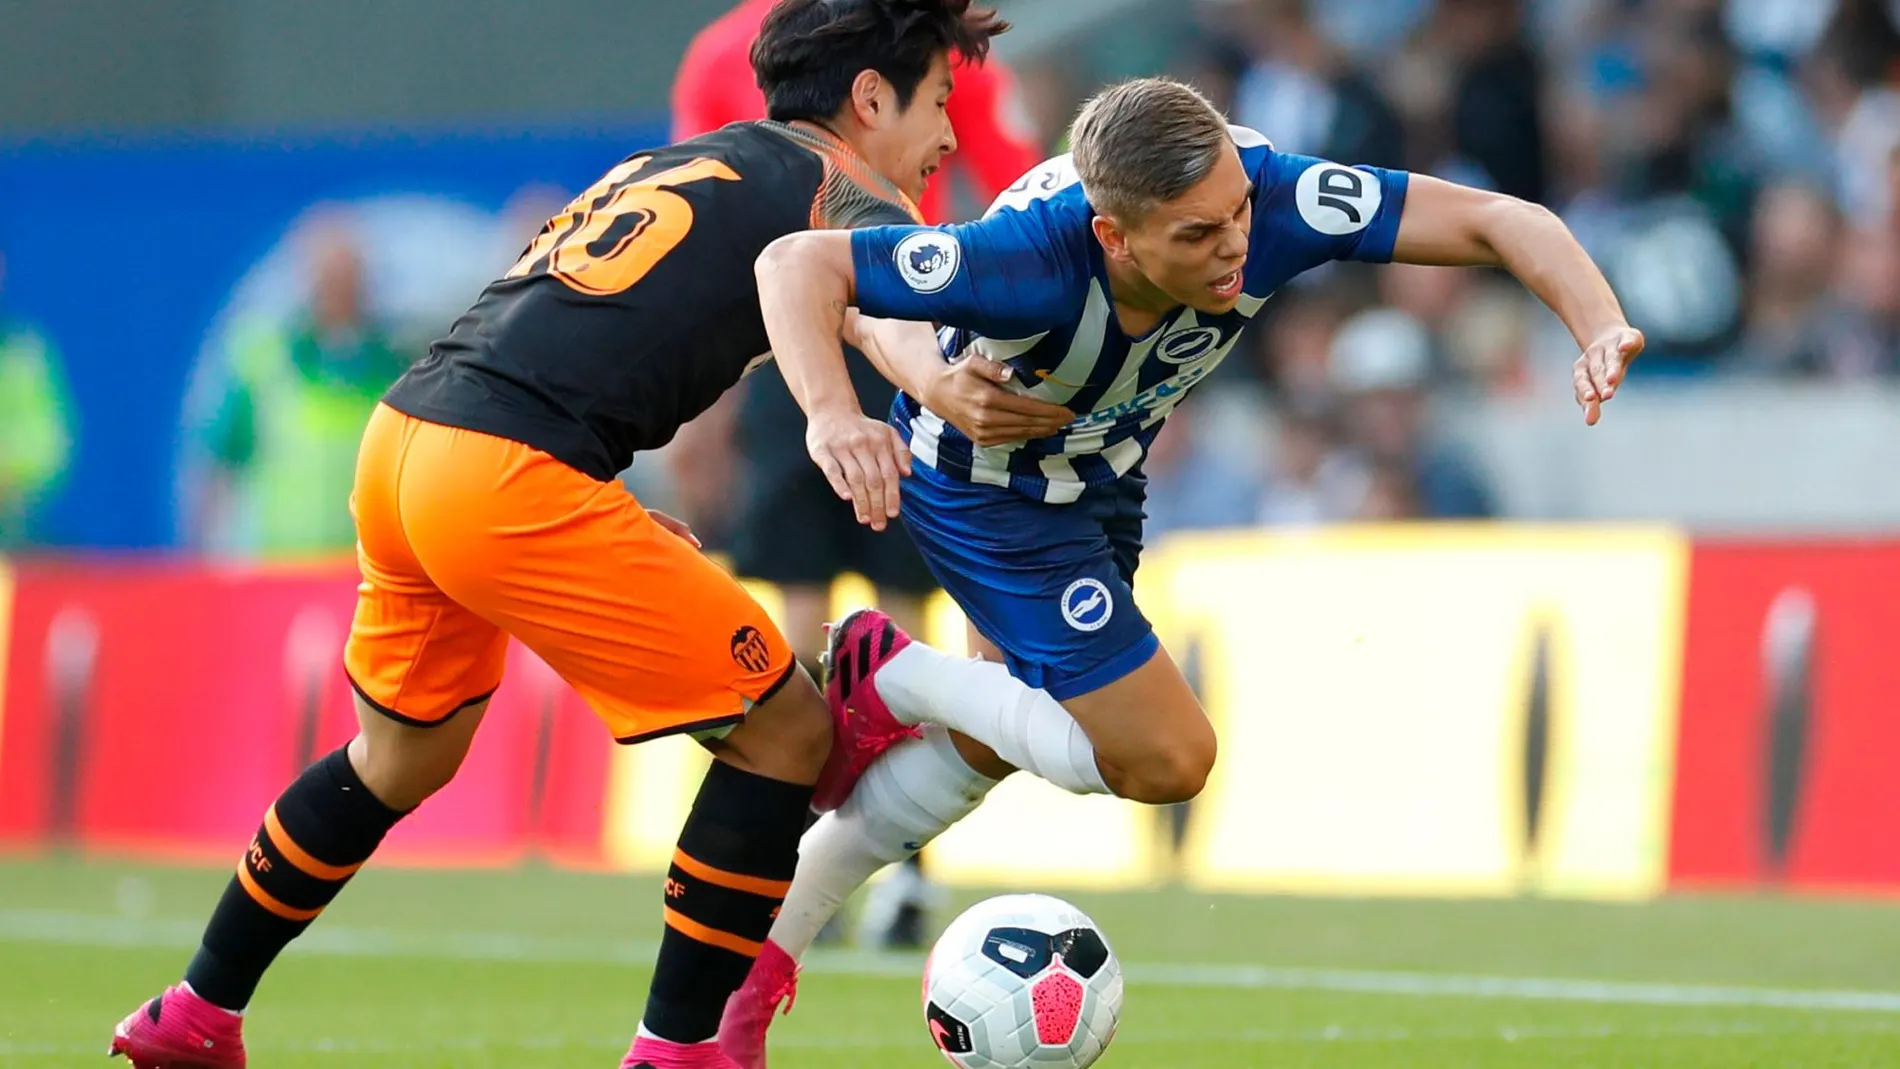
[(636, 307)]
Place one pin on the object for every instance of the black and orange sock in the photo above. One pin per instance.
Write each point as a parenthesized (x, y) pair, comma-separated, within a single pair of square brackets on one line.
[(314, 838), (735, 862)]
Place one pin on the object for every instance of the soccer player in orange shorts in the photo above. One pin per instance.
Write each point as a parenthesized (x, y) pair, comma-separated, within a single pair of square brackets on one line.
[(487, 505)]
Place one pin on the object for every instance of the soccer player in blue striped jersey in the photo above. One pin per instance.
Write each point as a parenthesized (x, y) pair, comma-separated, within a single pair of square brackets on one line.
[(1107, 282)]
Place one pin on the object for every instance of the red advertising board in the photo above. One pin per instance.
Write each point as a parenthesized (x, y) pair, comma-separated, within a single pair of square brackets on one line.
[(160, 708), (1788, 754)]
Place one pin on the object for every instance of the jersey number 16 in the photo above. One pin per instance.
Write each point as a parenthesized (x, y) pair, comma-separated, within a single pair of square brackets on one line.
[(609, 237)]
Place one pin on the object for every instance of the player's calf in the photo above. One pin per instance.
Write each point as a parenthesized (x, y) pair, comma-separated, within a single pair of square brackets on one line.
[(733, 867), (313, 839), (905, 799)]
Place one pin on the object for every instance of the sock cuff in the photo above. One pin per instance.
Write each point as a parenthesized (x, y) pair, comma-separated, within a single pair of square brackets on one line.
[(732, 795), (186, 984), (1087, 771), (336, 764), (330, 815)]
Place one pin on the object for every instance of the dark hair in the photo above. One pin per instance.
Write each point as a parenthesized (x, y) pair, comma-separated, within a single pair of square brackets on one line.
[(809, 52)]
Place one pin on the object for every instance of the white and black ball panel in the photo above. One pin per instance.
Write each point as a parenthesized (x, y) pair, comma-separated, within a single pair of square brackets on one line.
[(1031, 978)]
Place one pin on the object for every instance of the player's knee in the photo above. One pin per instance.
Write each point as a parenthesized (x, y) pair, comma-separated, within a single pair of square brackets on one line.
[(401, 776), (786, 738), (807, 733), (401, 764), (1173, 771)]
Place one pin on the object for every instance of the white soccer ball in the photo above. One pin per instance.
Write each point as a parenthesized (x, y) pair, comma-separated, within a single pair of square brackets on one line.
[(1019, 981)]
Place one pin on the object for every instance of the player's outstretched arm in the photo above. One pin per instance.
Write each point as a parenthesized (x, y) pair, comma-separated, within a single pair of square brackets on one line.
[(805, 290), (1448, 224)]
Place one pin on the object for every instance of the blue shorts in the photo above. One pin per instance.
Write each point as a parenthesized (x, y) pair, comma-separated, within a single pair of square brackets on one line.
[(1051, 585)]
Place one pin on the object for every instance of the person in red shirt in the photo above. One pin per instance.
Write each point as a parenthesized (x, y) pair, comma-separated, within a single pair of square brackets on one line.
[(995, 143), (759, 429)]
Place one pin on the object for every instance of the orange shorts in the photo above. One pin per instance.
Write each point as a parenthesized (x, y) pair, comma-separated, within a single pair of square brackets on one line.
[(464, 539)]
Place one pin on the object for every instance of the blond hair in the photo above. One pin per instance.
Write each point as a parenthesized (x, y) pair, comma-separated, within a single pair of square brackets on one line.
[(1144, 142)]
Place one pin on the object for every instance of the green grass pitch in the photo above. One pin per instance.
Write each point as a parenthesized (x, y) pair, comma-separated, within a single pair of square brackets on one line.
[(534, 968)]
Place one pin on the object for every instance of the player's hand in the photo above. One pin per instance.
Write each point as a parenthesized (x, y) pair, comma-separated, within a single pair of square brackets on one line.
[(1600, 370), (677, 526), (863, 458), (969, 395)]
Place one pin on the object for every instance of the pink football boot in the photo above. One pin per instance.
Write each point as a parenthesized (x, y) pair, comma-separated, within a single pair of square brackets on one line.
[(749, 1012), (179, 1030), (855, 649), (651, 1053)]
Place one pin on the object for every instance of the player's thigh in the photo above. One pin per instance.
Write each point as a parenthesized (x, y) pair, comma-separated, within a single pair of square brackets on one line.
[(1152, 710), (657, 638), (1049, 587), (980, 645), (1149, 723), (415, 656), (1149, 716), (1039, 580), (666, 642)]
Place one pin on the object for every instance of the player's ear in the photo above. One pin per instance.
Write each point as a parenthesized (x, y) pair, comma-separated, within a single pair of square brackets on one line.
[(868, 99), (1113, 238)]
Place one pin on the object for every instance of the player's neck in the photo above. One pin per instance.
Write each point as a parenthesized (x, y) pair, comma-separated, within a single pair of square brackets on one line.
[(824, 132), (841, 136), (1139, 304)]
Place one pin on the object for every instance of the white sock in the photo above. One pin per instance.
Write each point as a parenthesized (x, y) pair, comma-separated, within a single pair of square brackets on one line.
[(201, 998), (907, 797), (643, 1032), (1025, 726)]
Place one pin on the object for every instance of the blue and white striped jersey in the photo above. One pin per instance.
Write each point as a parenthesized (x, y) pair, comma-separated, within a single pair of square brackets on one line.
[(1026, 285)]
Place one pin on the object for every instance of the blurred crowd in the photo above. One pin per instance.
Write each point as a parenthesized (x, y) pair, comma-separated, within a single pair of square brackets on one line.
[(1732, 164)]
